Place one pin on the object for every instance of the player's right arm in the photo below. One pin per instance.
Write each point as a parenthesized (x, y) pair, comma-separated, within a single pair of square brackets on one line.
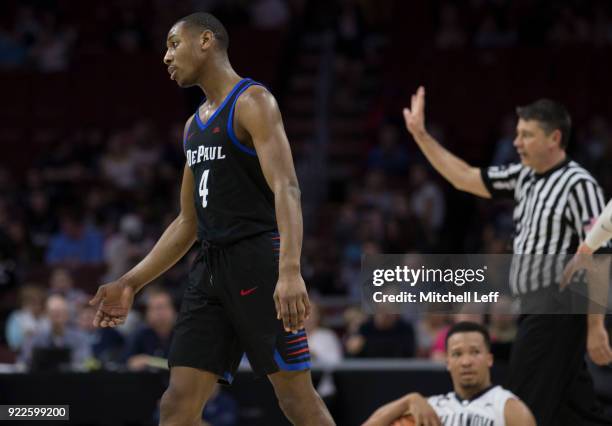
[(413, 403), (116, 298), (598, 340), (516, 413), (459, 173)]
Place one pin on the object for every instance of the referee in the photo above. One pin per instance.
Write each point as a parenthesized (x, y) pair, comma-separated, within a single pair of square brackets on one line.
[(555, 200)]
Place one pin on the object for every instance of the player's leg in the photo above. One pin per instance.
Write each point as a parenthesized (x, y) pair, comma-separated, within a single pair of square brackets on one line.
[(183, 401), (248, 272), (204, 350), (299, 400)]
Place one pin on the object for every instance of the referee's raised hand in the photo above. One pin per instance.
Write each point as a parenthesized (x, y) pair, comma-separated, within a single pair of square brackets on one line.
[(114, 301), (415, 115)]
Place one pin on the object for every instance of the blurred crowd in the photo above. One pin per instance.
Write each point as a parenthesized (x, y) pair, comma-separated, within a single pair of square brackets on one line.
[(45, 35), (504, 23)]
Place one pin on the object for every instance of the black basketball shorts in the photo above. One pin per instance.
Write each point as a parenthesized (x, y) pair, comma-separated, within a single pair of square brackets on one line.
[(228, 310)]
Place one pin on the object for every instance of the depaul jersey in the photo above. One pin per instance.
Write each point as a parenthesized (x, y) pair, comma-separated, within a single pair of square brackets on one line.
[(485, 409), (232, 198)]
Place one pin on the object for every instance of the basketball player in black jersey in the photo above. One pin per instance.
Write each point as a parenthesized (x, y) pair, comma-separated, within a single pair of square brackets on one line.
[(240, 200)]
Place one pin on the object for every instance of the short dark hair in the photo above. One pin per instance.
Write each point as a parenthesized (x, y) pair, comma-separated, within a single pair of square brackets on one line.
[(205, 21), (551, 115), (468, 327)]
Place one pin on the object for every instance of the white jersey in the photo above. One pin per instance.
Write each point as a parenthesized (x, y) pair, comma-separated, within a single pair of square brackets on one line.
[(485, 409)]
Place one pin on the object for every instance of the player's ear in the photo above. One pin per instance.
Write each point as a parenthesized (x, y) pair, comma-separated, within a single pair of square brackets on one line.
[(206, 39), (490, 359)]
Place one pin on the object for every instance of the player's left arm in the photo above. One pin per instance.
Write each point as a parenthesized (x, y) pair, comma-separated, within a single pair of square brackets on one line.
[(516, 413), (258, 121)]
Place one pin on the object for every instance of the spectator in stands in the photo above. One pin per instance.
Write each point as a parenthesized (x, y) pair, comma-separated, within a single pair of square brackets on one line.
[(468, 312), (428, 328), (125, 248), (269, 14), (351, 268), (324, 344), (12, 52), (52, 50), (59, 335), (426, 200), (61, 283), (107, 344), (153, 340), (129, 33), (503, 328), (490, 35), (40, 221), (147, 149), (403, 231), (383, 336), (502, 321), (350, 30), (76, 243), (389, 155), (375, 193), (29, 320), (118, 164), (16, 230), (505, 152), (8, 258), (451, 33), (354, 318), (27, 27)]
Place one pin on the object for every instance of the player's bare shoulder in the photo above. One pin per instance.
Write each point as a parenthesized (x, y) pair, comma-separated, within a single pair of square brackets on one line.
[(258, 96), (257, 115), (516, 413)]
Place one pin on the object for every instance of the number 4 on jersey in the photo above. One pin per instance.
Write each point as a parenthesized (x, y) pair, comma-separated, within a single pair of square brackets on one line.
[(203, 188)]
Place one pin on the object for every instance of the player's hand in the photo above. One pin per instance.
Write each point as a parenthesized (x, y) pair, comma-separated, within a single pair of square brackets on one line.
[(114, 300), (422, 413), (598, 345), (403, 421), (291, 301), (583, 259), (415, 115)]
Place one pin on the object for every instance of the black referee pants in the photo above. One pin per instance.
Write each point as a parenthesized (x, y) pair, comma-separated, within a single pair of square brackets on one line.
[(548, 371)]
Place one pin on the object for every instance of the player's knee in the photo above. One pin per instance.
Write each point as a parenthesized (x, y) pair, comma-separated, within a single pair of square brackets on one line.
[(290, 404), (178, 408)]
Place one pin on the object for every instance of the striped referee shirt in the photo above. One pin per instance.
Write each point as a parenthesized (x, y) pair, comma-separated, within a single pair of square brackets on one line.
[(553, 213)]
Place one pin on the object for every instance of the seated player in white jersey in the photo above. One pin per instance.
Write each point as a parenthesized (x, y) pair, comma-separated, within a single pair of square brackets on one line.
[(474, 400)]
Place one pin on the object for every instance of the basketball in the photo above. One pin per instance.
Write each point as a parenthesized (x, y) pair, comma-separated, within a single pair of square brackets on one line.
[(406, 420)]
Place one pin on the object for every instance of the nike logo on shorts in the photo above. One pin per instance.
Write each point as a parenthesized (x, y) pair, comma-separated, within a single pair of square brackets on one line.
[(247, 292)]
